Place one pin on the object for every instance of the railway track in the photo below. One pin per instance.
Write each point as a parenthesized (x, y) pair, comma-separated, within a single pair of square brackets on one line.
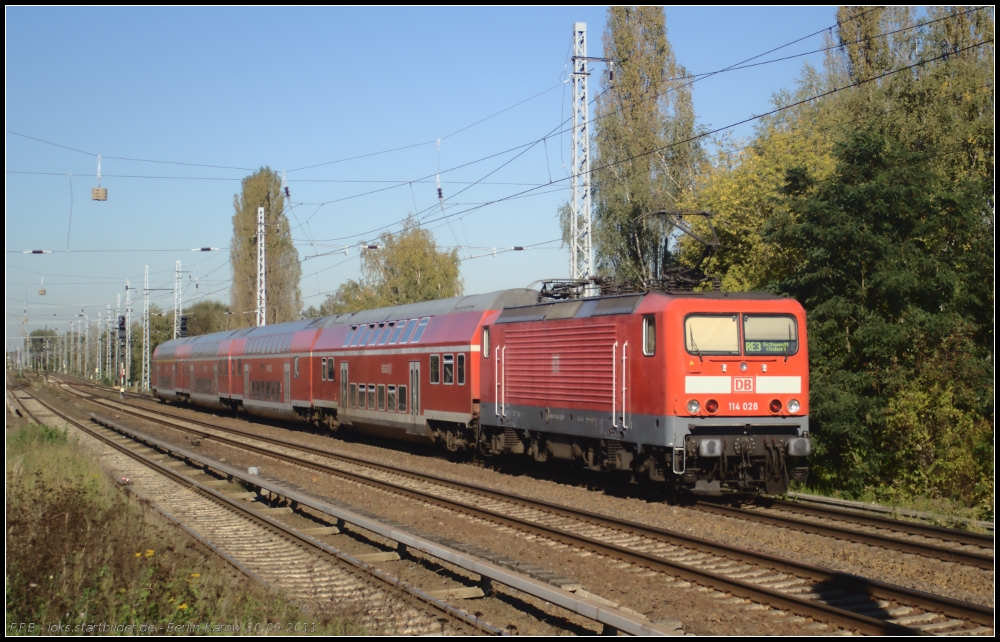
[(945, 544), (934, 542), (850, 602), (490, 576), (263, 548)]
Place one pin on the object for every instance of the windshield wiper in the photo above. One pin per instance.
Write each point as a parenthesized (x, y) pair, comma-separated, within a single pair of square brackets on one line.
[(695, 345), (788, 346)]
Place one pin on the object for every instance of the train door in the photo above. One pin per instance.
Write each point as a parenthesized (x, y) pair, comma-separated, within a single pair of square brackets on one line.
[(412, 427), (288, 383), (246, 380), (342, 402), (215, 377)]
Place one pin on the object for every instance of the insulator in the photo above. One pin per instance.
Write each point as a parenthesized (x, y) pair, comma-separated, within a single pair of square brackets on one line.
[(287, 193), (440, 193)]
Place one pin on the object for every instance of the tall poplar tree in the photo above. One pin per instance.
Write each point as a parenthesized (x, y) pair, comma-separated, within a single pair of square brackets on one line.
[(282, 268), (643, 155)]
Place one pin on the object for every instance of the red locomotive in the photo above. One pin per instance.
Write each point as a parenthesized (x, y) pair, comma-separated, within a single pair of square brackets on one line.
[(705, 389)]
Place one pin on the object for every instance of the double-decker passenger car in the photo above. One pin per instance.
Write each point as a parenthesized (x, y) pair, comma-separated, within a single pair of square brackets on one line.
[(708, 390)]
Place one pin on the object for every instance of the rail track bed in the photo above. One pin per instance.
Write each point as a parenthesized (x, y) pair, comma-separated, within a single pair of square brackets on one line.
[(280, 543), (823, 599), (945, 544)]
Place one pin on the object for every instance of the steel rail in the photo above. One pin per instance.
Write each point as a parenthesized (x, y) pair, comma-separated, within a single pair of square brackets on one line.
[(839, 532), (895, 512), (911, 528), (288, 532), (848, 619)]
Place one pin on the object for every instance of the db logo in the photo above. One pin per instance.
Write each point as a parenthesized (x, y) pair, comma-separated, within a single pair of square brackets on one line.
[(742, 384)]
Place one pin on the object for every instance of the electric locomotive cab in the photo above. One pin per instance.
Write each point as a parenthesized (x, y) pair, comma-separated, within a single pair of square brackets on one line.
[(740, 392)]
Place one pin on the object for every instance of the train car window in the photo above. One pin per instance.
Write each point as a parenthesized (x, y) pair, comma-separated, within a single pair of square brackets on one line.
[(390, 399), (412, 323), (402, 399), (350, 335), (461, 369), (329, 370), (371, 396), (354, 395), (296, 367), (649, 335), (420, 330), (239, 364), (399, 325), (381, 396), (435, 368), (365, 334), (486, 342), (322, 370), (770, 335), (449, 368), (385, 334), (375, 334), (711, 334)]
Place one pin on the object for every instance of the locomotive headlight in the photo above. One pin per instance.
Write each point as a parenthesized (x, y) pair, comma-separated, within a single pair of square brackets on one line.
[(793, 406), (694, 407)]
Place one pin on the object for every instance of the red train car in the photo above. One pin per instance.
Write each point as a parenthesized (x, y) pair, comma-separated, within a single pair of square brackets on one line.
[(707, 390)]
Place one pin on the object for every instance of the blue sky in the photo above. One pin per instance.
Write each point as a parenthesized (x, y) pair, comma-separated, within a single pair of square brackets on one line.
[(290, 88)]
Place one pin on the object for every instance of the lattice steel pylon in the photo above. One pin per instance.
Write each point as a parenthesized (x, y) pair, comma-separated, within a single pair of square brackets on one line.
[(118, 343), (110, 373), (581, 261), (261, 271), (128, 332), (145, 328), (177, 299)]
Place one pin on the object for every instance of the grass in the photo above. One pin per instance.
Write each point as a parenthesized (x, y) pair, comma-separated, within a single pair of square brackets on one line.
[(83, 552)]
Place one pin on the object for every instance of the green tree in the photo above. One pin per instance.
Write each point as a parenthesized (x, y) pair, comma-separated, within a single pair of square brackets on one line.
[(206, 317), (282, 268), (892, 245), (643, 154), (406, 268), (42, 343)]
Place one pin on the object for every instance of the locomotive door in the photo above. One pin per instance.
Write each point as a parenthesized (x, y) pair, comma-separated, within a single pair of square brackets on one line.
[(246, 380), (411, 425), (288, 383), (342, 402)]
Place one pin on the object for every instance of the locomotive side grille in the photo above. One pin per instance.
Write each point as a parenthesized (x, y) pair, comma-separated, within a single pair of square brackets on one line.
[(560, 366)]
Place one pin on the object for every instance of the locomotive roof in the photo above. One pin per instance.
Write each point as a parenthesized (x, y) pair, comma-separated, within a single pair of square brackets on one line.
[(606, 305)]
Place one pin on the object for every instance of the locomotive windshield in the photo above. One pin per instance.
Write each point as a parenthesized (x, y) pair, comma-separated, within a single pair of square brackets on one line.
[(770, 335), (712, 334)]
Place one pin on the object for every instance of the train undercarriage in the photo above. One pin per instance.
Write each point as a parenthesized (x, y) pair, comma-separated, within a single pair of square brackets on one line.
[(709, 463)]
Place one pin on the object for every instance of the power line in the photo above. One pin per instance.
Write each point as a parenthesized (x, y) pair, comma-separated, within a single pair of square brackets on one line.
[(730, 126)]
